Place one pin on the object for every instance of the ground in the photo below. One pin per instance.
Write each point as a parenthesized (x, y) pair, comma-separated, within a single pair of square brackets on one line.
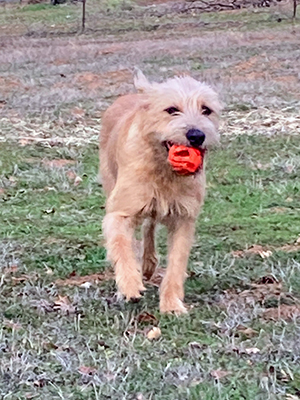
[(63, 333)]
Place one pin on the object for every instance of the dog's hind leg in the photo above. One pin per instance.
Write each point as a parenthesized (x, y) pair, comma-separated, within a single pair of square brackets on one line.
[(119, 234), (149, 255), (172, 287)]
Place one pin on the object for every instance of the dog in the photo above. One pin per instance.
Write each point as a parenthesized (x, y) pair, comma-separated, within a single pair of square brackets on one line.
[(143, 189)]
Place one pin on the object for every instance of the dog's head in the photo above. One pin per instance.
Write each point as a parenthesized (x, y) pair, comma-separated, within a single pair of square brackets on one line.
[(181, 111)]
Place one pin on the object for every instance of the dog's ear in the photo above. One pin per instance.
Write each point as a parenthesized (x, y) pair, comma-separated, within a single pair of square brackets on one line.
[(141, 83)]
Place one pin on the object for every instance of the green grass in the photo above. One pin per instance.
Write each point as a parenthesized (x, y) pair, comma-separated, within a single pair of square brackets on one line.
[(43, 349)]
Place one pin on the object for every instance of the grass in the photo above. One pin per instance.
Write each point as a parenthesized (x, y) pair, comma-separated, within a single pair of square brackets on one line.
[(127, 17), (50, 228), (79, 342)]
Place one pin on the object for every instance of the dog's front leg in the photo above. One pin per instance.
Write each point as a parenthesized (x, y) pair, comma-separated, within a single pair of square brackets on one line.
[(149, 255), (172, 288), (119, 233)]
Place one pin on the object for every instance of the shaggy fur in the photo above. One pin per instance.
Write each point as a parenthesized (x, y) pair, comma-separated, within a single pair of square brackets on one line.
[(141, 186)]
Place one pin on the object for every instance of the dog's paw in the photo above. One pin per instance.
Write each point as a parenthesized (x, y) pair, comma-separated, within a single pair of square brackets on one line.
[(172, 306), (131, 289)]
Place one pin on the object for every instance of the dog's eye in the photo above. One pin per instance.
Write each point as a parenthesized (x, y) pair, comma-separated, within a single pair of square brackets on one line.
[(172, 110), (206, 110)]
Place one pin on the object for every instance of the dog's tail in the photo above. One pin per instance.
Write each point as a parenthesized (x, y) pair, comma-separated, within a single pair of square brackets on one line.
[(141, 83)]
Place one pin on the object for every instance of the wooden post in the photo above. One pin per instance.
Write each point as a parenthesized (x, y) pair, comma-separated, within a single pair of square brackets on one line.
[(295, 10), (83, 16)]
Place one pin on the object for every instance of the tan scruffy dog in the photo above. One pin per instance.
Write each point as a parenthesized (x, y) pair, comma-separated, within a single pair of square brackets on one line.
[(143, 188)]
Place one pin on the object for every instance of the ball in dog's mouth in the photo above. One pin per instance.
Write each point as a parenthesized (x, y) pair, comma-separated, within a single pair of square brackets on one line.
[(185, 160)]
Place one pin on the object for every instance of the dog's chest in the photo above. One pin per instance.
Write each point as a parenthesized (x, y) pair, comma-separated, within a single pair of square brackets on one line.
[(175, 200)]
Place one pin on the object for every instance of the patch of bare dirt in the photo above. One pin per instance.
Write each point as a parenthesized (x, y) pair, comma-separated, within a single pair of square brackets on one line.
[(268, 296), (287, 79), (9, 84), (258, 293), (61, 61), (111, 49), (92, 81), (248, 64), (261, 67), (253, 250), (283, 312), (85, 281), (267, 251)]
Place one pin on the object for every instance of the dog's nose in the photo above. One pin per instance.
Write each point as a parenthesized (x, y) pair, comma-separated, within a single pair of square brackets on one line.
[(195, 137)]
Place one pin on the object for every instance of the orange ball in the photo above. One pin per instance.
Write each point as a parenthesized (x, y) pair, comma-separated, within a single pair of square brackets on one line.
[(185, 160)]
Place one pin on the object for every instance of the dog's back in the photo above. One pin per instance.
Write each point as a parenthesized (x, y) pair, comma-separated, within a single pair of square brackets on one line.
[(113, 122)]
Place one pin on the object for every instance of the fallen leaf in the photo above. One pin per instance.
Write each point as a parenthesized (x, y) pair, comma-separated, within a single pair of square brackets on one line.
[(49, 271), (21, 279), (253, 250), (291, 397), (146, 317), (103, 344), (11, 270), (248, 332), (64, 305), (84, 370), (81, 280), (154, 333), (219, 374), (71, 175), (252, 350), (267, 280), (265, 254), (283, 312), (49, 346)]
